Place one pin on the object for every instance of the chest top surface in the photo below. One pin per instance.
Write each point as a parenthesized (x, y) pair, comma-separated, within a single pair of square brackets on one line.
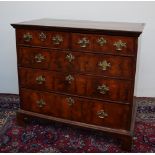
[(83, 24)]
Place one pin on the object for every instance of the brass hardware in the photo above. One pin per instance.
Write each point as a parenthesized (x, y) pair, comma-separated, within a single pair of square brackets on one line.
[(42, 36), (104, 64), (41, 103), (40, 79), (39, 58), (70, 101), (119, 45), (70, 57), (83, 42), (69, 78), (57, 39), (102, 114), (27, 37), (103, 89), (101, 41)]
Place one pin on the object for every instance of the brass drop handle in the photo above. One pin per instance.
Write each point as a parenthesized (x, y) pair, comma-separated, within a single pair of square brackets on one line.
[(40, 79), (83, 42), (103, 89), (70, 57), (102, 114), (104, 65), (39, 58), (42, 36), (119, 45), (57, 39), (70, 101), (41, 103), (101, 41), (69, 78), (27, 37)]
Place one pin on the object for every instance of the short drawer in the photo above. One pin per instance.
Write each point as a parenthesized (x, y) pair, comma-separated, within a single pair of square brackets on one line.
[(105, 114), (66, 61), (57, 40), (83, 85), (103, 43)]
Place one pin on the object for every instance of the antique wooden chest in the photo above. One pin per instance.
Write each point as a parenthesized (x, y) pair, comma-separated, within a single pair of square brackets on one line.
[(79, 72)]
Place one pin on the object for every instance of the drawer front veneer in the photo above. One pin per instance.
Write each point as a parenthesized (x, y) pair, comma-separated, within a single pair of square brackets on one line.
[(74, 108), (52, 39), (68, 61), (76, 84), (103, 43)]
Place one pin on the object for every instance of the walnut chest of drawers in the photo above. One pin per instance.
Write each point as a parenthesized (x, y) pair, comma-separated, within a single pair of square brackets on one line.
[(79, 72)]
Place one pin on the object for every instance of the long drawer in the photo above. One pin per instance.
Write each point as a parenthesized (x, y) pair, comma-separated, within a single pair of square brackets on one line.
[(77, 84), (90, 63), (78, 109)]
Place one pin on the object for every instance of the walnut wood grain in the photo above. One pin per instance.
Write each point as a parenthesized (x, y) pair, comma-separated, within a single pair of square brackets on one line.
[(119, 90), (107, 47), (57, 106), (47, 42), (87, 63), (42, 52)]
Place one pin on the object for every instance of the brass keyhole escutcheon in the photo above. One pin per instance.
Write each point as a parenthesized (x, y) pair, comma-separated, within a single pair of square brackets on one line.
[(40, 79), (69, 78), (70, 57), (104, 65), (119, 45), (83, 42), (41, 103), (42, 36), (70, 101), (57, 39), (101, 41), (103, 89), (39, 58), (102, 114)]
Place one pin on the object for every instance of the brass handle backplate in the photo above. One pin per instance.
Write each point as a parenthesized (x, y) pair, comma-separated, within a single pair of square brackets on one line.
[(40, 79), (70, 57), (101, 41), (41, 103), (69, 78), (103, 89), (42, 36), (39, 58), (104, 65), (119, 45), (57, 39), (70, 101), (83, 42), (102, 114), (27, 37)]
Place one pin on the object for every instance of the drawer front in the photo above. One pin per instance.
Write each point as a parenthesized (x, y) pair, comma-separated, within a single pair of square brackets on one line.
[(103, 43), (96, 87), (78, 109), (34, 57), (58, 40), (98, 64)]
